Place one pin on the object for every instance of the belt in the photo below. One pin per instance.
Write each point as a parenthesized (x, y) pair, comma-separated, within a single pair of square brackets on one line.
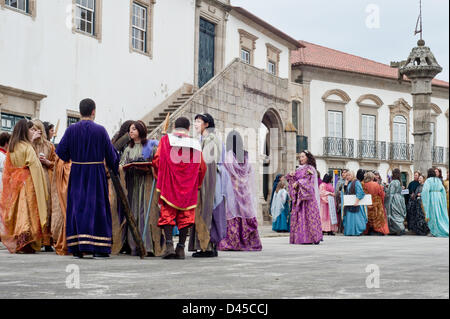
[(87, 163)]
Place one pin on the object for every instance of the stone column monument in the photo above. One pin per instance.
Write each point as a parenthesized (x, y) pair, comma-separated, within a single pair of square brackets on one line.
[(421, 67)]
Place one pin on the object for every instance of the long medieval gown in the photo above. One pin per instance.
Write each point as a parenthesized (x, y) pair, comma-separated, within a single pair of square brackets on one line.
[(376, 215), (23, 205), (416, 216), (396, 208), (325, 191), (242, 223), (210, 219), (59, 188), (139, 184), (281, 210), (355, 222), (435, 206), (306, 226), (48, 149), (88, 146)]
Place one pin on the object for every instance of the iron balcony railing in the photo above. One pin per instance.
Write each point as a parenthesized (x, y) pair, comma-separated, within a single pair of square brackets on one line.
[(438, 155), (372, 150), (338, 147), (401, 152), (302, 143)]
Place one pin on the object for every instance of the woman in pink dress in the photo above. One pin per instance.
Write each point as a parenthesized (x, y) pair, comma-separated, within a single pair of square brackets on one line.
[(326, 189)]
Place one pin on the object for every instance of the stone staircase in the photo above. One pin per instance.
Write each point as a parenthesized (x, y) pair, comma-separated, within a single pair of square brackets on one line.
[(171, 108)]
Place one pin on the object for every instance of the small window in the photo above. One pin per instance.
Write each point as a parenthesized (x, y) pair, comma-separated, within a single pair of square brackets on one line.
[(272, 68), (335, 124), (85, 16), (22, 5), (368, 127), (10, 120), (245, 56), (72, 120), (139, 36)]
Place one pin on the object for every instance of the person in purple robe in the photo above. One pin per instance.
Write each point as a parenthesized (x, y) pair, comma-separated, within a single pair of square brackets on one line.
[(242, 224), (306, 226), (87, 145)]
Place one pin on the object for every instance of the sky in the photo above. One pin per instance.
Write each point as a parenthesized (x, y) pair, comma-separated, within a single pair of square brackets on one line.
[(380, 30)]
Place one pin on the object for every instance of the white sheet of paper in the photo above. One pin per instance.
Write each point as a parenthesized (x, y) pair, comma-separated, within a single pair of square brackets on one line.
[(350, 200), (332, 210), (405, 192)]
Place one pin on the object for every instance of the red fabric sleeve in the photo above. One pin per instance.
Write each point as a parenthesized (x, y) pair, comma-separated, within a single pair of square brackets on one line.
[(155, 161)]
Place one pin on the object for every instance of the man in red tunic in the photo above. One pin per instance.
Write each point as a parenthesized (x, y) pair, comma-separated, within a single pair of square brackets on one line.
[(180, 168)]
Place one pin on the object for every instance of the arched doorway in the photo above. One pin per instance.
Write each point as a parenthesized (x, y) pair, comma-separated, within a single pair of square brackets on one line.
[(271, 146)]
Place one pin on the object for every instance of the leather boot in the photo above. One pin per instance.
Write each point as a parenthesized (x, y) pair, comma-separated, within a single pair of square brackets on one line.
[(169, 253), (180, 252)]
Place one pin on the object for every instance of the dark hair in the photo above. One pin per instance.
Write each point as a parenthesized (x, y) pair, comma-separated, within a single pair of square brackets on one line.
[(4, 138), (396, 174), (142, 129), (48, 126), (182, 122), (235, 143), (431, 173), (311, 159), (318, 175), (20, 133), (124, 129), (327, 178), (87, 106), (207, 118), (360, 174), (440, 172)]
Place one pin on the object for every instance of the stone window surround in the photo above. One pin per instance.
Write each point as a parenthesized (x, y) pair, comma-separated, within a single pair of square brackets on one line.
[(400, 107), (9, 91), (335, 105), (31, 6), (217, 14), (369, 109), (247, 42), (97, 20), (149, 5), (273, 55)]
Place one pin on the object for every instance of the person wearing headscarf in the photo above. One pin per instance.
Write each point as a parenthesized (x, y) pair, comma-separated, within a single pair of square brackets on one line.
[(45, 150), (416, 215), (376, 215), (23, 203), (395, 205), (139, 182), (435, 206), (281, 208), (242, 224), (355, 219), (306, 226), (326, 189)]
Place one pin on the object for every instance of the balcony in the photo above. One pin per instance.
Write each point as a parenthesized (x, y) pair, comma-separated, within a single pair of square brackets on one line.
[(372, 150), (440, 155), (302, 143), (401, 152), (338, 147)]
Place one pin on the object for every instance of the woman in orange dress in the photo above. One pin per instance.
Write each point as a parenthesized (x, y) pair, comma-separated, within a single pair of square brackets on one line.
[(377, 223), (23, 205)]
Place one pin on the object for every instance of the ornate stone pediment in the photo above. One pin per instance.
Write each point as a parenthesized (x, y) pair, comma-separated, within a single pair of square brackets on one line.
[(328, 96), (376, 101)]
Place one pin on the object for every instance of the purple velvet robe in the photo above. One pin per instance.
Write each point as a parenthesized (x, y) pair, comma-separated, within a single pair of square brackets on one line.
[(306, 225), (89, 227)]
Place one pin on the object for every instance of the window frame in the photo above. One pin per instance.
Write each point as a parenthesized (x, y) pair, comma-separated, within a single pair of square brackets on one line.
[(374, 117), (97, 19), (403, 124), (16, 117), (245, 52), (274, 68), (31, 8), (247, 42), (148, 5)]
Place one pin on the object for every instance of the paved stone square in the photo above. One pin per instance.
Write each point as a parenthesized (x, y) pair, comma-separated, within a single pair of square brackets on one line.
[(409, 266)]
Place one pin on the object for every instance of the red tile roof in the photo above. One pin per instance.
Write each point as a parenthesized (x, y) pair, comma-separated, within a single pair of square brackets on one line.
[(320, 56)]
